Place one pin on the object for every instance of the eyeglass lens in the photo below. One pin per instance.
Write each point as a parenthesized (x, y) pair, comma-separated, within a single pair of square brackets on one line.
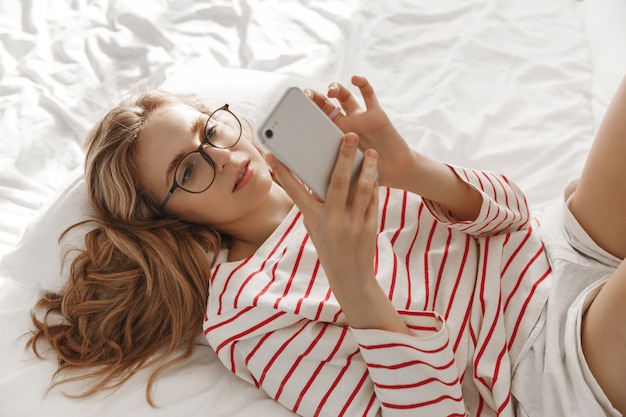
[(195, 173)]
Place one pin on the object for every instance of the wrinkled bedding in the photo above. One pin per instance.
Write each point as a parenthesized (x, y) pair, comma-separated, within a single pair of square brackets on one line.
[(515, 86)]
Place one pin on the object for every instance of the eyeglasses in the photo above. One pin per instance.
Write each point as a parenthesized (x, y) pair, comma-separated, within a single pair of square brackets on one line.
[(196, 171)]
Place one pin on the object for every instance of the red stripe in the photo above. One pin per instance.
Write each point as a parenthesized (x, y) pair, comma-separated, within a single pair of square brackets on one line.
[(354, 393), (337, 314), (424, 404), (482, 186), (407, 260), (278, 352), (496, 371), (522, 275), (503, 188), (268, 285), (309, 288), (249, 330), (256, 347), (459, 276), (395, 236), (370, 404), (487, 341), (483, 278), (233, 368), (320, 367), (227, 282), (508, 210), (383, 220), (493, 187), (426, 263), (419, 384), (523, 310), (505, 403), (217, 268), (262, 267), (519, 209), (411, 363), (293, 272), (320, 307), (464, 171), (507, 237), (442, 266), (500, 179), (335, 383), (222, 323), (418, 313), (526, 212), (402, 345), (517, 250), (293, 368), (481, 404), (459, 337)]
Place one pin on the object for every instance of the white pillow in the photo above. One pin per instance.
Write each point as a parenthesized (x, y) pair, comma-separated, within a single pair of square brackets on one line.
[(36, 262)]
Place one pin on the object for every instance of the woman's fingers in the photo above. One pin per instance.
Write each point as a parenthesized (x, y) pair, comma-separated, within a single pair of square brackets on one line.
[(367, 91), (345, 98), (322, 102), (341, 177), (363, 204), (365, 193)]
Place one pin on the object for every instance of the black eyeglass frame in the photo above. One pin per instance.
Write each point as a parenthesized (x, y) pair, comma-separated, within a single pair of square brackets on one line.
[(206, 157)]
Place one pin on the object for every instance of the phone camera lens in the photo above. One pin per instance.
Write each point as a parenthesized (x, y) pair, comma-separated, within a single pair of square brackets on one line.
[(269, 133)]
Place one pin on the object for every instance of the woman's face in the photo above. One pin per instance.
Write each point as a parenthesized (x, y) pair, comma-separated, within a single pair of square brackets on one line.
[(242, 179)]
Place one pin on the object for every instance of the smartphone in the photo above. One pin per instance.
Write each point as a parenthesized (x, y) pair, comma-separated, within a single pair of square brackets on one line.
[(304, 139)]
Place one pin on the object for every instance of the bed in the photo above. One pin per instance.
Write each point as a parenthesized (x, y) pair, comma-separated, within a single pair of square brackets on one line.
[(516, 86)]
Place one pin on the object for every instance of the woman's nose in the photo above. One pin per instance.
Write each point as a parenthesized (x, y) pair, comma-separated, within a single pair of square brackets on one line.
[(219, 156)]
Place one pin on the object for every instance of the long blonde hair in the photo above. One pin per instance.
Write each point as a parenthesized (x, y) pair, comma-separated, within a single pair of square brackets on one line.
[(136, 294)]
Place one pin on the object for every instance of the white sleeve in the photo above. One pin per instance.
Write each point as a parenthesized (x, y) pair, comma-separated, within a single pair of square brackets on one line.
[(324, 369), (504, 208)]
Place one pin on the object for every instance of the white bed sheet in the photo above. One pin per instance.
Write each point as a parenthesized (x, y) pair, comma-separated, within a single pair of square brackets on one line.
[(490, 84)]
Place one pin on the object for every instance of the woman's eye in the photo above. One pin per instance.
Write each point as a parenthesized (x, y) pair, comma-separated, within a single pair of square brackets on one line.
[(210, 132), (186, 174)]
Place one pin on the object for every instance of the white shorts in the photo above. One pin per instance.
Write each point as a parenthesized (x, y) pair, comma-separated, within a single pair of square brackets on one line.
[(550, 376)]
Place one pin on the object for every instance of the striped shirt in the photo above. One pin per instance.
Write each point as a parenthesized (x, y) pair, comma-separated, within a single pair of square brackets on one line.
[(471, 293)]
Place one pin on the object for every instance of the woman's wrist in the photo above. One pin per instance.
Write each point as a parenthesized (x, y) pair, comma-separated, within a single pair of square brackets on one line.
[(437, 182), (367, 307)]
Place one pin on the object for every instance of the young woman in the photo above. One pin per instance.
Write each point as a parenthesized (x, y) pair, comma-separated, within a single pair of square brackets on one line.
[(433, 291)]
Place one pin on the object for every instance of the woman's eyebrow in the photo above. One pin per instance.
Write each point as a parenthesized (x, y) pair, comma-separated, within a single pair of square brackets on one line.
[(196, 128)]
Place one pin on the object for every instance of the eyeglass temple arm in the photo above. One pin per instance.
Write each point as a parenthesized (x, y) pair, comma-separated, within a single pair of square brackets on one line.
[(169, 195)]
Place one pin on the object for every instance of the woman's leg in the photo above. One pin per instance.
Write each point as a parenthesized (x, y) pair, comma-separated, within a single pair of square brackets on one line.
[(599, 205)]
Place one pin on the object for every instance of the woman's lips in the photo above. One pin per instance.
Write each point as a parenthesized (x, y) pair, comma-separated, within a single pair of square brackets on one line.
[(244, 175)]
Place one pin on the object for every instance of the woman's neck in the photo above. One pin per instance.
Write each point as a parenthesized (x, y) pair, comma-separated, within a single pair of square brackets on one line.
[(267, 218)]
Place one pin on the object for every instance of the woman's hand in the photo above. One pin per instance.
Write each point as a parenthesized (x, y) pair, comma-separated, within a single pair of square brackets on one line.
[(373, 126), (399, 166), (344, 234)]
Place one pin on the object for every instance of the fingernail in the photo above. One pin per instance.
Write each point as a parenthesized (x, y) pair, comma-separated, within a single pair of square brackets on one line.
[(371, 153), (308, 92), (351, 139), (332, 86)]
